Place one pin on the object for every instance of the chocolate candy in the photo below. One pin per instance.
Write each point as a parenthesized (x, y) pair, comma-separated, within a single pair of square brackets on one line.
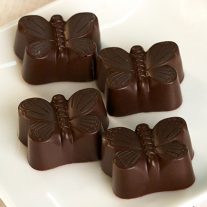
[(140, 81), (58, 50), (148, 160), (62, 131)]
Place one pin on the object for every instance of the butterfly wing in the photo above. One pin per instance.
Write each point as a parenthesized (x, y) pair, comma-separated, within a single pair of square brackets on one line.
[(126, 146), (122, 138), (83, 47), (164, 74), (82, 102), (172, 150), (39, 49), (41, 130), (161, 53), (116, 58), (35, 28), (127, 158), (81, 105), (86, 110), (88, 124), (118, 66), (119, 79), (38, 116), (80, 25), (167, 130)]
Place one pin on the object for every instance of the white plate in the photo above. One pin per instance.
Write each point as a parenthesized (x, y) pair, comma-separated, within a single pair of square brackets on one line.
[(123, 23)]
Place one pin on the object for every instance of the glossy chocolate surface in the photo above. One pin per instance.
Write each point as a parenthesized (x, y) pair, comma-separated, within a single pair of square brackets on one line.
[(58, 50), (62, 131), (148, 160), (140, 81)]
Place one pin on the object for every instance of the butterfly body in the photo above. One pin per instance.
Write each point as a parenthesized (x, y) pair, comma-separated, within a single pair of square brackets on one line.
[(57, 50), (141, 77), (148, 160), (60, 105), (62, 131), (138, 55), (58, 26), (145, 136)]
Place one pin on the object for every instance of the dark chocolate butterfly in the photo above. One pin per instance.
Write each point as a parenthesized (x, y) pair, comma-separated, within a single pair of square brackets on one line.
[(141, 77), (41, 120), (164, 141), (58, 50), (148, 160), (43, 36), (122, 67)]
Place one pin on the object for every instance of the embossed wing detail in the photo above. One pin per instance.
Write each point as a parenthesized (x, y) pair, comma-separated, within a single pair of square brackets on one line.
[(119, 67), (82, 102), (86, 124), (161, 53), (41, 116), (119, 79), (42, 131), (157, 59), (39, 49), (163, 74), (36, 27), (126, 159), (165, 135), (37, 32), (167, 130), (121, 137), (126, 144), (83, 46), (37, 109), (80, 105), (81, 24), (116, 59), (172, 150)]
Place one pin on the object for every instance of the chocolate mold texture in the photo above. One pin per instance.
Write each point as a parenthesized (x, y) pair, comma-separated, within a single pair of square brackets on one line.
[(62, 131), (140, 81), (58, 50), (148, 160)]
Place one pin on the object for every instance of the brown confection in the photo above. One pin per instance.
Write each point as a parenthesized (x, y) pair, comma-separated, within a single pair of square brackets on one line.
[(148, 160), (58, 50), (62, 131), (140, 81)]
